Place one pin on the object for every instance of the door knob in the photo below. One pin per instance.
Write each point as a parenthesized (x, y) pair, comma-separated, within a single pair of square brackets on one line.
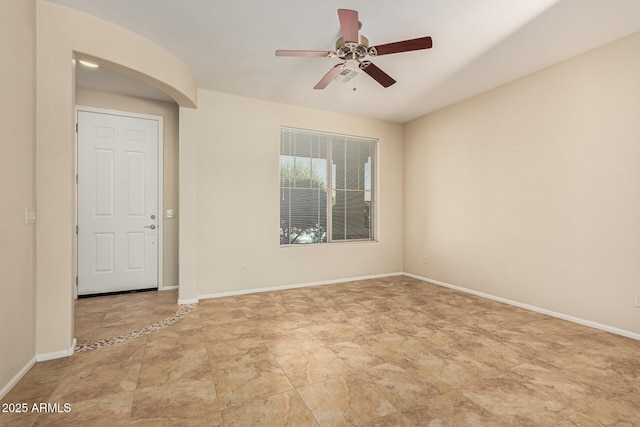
[(152, 226)]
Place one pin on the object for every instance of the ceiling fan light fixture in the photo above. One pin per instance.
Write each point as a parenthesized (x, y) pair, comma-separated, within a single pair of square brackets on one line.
[(348, 72)]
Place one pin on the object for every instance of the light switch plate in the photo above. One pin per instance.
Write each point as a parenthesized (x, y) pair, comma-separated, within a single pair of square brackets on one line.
[(638, 300), (171, 213), (29, 216)]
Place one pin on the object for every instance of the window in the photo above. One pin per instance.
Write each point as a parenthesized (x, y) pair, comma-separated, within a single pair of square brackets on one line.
[(327, 189)]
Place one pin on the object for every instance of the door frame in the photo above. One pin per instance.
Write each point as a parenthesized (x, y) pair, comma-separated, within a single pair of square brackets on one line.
[(160, 184)]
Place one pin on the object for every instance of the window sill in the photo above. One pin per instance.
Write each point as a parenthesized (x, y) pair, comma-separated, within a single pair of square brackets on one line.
[(351, 242)]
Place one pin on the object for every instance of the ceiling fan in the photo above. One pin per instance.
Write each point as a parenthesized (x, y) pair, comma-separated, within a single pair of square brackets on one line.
[(353, 47)]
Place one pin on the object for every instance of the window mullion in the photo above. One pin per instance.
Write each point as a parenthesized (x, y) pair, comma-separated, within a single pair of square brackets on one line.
[(291, 150), (329, 190), (346, 191)]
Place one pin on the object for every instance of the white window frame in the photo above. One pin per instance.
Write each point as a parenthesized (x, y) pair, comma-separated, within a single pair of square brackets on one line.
[(373, 209)]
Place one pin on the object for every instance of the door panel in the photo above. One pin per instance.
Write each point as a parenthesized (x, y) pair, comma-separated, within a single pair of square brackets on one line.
[(104, 160), (117, 203), (135, 184), (105, 249), (135, 251)]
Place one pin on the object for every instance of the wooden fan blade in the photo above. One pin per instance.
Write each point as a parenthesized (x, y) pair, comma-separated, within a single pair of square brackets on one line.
[(403, 46), (348, 25), (323, 53), (377, 74), (324, 82)]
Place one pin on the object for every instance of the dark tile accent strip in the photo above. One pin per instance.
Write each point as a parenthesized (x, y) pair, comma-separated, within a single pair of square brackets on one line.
[(182, 312)]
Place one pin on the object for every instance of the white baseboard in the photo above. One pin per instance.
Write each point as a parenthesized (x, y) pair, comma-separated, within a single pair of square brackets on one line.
[(573, 319), (188, 301), (295, 286), (17, 377), (56, 354), (169, 288)]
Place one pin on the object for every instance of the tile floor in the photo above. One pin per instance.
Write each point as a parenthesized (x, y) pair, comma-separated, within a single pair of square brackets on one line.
[(386, 352)]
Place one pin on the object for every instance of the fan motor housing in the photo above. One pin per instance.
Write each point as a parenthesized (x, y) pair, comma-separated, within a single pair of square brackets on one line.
[(352, 50)]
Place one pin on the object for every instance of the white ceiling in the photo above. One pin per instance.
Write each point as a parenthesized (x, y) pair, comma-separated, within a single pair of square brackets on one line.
[(477, 45)]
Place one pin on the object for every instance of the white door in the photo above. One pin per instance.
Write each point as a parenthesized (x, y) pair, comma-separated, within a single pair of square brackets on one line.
[(117, 203)]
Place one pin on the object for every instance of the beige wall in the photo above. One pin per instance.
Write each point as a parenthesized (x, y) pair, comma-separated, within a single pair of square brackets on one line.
[(188, 206), (17, 181), (61, 34), (238, 146), (169, 112), (531, 191)]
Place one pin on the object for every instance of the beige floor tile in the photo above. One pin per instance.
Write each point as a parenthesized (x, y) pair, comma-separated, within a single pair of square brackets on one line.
[(109, 410), (96, 381), (453, 409), (578, 420), (215, 317), (243, 383), (562, 386), (92, 375), (130, 320), (404, 384), (291, 341), (396, 419), (284, 409), (182, 365), (616, 358), (391, 346), (358, 354), (285, 322), (17, 419), (231, 331), (39, 383), (170, 341), (449, 368), (186, 402), (313, 366), (516, 402), (376, 324), (327, 313), (375, 304), (612, 411), (605, 376), (265, 312), (357, 308), (345, 401), (545, 347), (490, 351), (227, 354), (335, 332), (228, 303)]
